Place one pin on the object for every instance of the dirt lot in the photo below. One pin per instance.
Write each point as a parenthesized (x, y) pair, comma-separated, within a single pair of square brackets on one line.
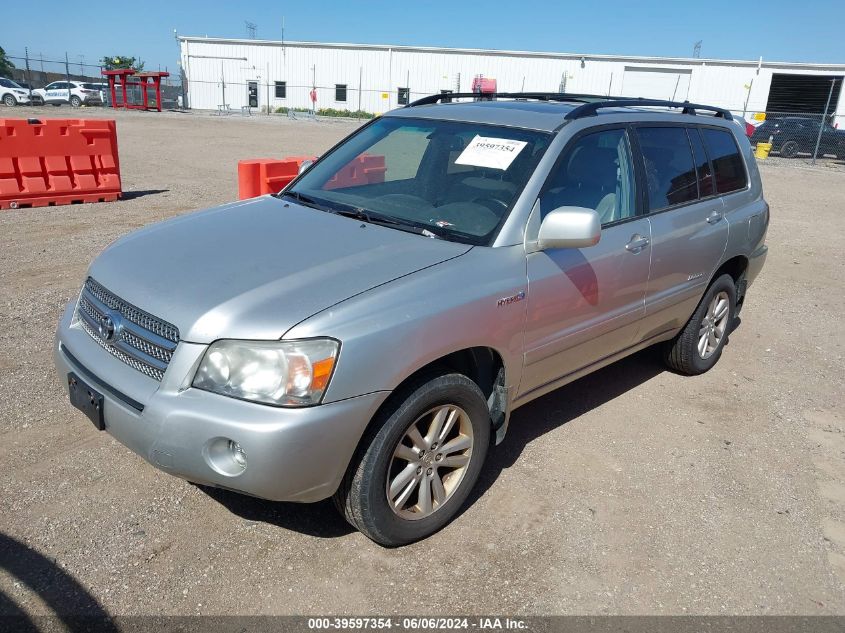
[(632, 491)]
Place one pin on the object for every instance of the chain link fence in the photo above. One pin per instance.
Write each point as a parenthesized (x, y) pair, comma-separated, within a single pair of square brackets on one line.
[(799, 135), (281, 97), (39, 74)]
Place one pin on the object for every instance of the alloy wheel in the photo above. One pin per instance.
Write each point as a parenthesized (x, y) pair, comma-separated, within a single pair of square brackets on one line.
[(714, 325), (429, 462)]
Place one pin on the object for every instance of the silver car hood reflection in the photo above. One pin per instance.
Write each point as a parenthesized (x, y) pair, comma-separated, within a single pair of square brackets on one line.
[(254, 269)]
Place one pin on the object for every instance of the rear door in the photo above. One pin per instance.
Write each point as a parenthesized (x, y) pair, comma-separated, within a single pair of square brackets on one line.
[(689, 229), (585, 304)]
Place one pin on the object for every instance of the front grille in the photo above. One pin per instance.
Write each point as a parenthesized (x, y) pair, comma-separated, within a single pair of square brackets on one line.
[(141, 340)]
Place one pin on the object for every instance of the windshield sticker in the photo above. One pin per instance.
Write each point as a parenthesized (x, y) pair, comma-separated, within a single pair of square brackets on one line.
[(485, 151)]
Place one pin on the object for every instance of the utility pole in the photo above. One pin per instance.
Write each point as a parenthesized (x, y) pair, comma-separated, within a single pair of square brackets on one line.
[(67, 76), (28, 78), (250, 29), (696, 49)]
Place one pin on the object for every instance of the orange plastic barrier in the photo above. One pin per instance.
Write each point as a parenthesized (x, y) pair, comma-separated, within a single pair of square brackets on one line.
[(259, 176), (57, 161)]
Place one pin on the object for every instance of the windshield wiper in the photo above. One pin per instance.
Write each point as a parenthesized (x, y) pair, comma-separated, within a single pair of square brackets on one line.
[(307, 201), (358, 213), (351, 211)]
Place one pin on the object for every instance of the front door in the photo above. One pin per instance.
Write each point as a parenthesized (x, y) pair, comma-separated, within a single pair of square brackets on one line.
[(252, 94), (584, 305)]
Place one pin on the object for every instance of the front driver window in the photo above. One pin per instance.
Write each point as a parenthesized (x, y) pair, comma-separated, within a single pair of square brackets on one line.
[(595, 172)]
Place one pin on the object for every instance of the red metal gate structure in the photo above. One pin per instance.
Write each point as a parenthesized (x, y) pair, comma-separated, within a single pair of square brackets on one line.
[(142, 80)]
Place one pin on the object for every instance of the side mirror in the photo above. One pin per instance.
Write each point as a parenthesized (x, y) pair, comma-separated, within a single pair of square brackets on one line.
[(305, 165), (569, 227)]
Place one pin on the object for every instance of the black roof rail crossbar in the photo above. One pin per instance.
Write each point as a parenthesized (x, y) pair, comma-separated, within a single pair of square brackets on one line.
[(590, 109), (540, 96)]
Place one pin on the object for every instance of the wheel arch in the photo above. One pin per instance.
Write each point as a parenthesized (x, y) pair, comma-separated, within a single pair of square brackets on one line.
[(485, 366), (736, 267)]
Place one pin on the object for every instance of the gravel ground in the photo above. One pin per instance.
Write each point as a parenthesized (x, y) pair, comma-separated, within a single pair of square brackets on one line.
[(631, 491)]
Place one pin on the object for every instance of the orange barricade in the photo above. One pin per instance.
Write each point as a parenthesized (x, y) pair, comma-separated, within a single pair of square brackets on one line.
[(57, 161), (258, 176)]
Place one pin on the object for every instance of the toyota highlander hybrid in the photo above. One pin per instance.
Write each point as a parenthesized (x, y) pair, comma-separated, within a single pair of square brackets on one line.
[(368, 338)]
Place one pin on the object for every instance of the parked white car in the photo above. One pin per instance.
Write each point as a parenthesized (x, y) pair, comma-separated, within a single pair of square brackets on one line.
[(76, 93), (11, 93)]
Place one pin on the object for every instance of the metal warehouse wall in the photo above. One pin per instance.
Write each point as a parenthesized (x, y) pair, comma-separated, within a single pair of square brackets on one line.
[(380, 71)]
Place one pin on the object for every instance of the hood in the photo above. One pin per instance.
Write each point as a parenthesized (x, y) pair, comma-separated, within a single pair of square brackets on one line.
[(254, 269)]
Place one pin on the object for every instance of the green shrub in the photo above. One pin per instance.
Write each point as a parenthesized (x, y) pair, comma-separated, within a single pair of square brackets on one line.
[(357, 114)]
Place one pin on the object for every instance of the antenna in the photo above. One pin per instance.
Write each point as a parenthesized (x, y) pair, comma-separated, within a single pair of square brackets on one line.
[(696, 49), (250, 28)]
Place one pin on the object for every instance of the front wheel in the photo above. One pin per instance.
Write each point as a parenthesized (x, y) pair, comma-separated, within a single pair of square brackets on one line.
[(417, 465), (10, 100), (699, 345)]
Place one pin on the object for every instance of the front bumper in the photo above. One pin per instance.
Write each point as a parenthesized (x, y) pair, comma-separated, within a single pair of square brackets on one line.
[(292, 454)]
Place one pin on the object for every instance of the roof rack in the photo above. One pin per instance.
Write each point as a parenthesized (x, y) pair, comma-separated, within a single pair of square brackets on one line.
[(539, 96), (590, 109)]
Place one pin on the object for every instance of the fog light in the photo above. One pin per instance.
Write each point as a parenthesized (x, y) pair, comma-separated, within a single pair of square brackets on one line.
[(225, 456), (238, 454)]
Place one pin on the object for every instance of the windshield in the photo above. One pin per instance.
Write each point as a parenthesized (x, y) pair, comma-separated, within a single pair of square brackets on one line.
[(91, 86), (453, 180), (8, 83)]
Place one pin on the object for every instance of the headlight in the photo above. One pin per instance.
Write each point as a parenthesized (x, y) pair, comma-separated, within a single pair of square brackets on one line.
[(282, 373)]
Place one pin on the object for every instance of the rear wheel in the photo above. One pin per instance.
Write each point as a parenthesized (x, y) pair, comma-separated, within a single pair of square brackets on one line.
[(417, 466), (789, 149), (10, 100), (75, 101), (699, 345)]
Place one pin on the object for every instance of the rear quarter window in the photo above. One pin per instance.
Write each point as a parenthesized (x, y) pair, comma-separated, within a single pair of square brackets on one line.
[(728, 167)]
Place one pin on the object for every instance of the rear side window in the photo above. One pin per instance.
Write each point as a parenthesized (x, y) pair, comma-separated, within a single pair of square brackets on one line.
[(670, 172), (727, 162), (702, 164)]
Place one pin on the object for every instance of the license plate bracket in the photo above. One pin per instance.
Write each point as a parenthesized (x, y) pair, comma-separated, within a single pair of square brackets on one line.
[(87, 400)]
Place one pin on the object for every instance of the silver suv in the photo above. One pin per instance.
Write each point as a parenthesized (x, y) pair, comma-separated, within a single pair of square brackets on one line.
[(367, 333)]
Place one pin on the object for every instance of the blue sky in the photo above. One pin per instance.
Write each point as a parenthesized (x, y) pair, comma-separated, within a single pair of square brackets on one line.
[(774, 29)]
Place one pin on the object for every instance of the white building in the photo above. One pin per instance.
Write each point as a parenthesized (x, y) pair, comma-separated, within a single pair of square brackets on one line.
[(375, 78)]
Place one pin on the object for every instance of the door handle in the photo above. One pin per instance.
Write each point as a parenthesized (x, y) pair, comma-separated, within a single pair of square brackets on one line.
[(714, 217), (637, 243)]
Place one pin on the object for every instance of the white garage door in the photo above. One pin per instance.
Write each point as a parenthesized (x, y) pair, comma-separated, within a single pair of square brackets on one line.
[(656, 83)]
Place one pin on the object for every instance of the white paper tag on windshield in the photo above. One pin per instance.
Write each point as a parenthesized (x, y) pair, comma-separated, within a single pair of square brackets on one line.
[(486, 151)]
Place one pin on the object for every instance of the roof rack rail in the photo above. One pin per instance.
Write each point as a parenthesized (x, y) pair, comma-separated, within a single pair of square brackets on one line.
[(539, 96), (590, 109)]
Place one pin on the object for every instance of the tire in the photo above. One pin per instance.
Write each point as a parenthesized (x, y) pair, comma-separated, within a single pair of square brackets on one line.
[(684, 353), (10, 100), (363, 495), (75, 101), (789, 149)]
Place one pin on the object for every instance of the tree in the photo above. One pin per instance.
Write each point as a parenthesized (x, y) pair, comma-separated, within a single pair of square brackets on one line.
[(5, 65), (113, 62)]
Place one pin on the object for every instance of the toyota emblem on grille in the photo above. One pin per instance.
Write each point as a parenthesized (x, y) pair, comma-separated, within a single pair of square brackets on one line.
[(109, 328)]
